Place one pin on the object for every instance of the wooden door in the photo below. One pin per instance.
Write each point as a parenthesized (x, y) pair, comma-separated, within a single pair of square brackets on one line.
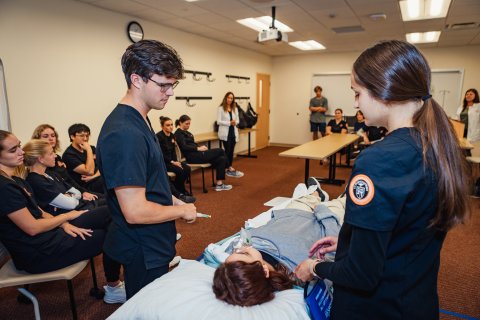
[(263, 111)]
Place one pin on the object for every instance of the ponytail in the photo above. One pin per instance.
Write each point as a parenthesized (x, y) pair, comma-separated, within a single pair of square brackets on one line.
[(442, 152)]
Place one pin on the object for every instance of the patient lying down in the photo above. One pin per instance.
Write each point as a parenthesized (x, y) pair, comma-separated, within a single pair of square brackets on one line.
[(251, 274)]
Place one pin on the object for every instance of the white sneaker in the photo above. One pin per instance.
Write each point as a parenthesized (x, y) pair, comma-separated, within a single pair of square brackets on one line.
[(179, 236), (312, 181), (223, 187), (234, 174), (175, 261), (115, 294)]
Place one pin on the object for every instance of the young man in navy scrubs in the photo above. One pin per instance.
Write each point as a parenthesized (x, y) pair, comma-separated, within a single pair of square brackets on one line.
[(142, 234)]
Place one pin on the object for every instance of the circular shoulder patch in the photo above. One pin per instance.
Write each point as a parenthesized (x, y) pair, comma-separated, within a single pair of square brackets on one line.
[(361, 190)]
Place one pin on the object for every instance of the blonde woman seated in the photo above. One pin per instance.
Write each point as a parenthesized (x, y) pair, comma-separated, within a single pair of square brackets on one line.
[(251, 274)]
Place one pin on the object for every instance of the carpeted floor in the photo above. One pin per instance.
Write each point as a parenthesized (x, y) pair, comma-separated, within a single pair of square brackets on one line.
[(267, 177)]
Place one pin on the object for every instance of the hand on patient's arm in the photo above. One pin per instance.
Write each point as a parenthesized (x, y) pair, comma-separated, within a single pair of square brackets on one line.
[(323, 246), (304, 271)]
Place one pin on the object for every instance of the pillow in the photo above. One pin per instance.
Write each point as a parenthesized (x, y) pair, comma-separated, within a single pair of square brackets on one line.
[(186, 293)]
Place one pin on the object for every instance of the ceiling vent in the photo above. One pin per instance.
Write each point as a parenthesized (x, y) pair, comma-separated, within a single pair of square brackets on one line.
[(378, 16), (348, 29), (461, 26)]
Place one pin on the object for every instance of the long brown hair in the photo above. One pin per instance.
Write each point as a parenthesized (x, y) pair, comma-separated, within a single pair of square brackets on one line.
[(245, 284), (397, 71), (224, 102), (475, 100), (19, 170)]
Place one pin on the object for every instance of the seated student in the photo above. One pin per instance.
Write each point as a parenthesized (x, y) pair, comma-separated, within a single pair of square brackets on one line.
[(53, 194), (80, 159), (181, 169), (375, 134), (48, 133), (359, 123), (201, 154), (39, 242), (251, 275), (337, 125)]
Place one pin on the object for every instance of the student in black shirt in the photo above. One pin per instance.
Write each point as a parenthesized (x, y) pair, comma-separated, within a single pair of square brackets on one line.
[(54, 194), (48, 133), (337, 125), (168, 145), (39, 242), (404, 194), (201, 154), (80, 159)]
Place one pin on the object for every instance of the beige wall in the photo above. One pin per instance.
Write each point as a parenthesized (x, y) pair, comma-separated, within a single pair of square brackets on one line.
[(62, 65), (292, 82)]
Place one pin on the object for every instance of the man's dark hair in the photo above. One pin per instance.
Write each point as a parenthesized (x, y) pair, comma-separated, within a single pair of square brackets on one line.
[(149, 57), (77, 128)]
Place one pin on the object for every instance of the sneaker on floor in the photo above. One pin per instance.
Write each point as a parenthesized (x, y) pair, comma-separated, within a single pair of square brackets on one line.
[(312, 181), (234, 174), (223, 187), (187, 199), (175, 261), (115, 294), (179, 236)]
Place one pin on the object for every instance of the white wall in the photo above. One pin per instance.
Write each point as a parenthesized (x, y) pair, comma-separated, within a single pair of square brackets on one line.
[(62, 65), (292, 81)]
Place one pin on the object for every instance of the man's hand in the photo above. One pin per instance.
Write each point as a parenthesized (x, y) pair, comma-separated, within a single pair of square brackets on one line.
[(189, 213)]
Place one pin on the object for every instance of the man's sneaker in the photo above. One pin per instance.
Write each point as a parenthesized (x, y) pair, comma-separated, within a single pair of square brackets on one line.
[(223, 187), (187, 199), (234, 174), (115, 294), (175, 261), (179, 236), (314, 182)]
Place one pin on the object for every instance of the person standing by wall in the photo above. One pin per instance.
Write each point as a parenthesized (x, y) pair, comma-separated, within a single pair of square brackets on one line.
[(227, 120), (318, 107), (399, 209), (142, 234), (469, 114)]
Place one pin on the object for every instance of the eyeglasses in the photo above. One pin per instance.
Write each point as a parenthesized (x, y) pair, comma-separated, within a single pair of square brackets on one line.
[(83, 135), (164, 87)]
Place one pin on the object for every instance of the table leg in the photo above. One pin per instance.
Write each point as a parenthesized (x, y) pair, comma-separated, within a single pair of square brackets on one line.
[(332, 166), (307, 169), (248, 155)]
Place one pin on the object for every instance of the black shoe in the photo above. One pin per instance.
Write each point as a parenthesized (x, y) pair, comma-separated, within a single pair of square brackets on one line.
[(187, 199)]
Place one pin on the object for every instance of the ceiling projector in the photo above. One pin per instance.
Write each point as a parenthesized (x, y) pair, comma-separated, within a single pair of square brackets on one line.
[(272, 34)]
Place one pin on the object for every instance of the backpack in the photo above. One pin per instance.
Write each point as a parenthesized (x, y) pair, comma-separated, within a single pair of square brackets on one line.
[(242, 120), (251, 116)]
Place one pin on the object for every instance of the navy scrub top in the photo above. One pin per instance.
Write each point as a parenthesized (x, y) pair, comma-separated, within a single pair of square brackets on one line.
[(129, 154), (387, 257)]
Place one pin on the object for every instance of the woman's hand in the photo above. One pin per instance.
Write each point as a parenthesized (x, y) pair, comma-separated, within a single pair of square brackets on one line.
[(87, 196), (86, 178), (304, 271), (176, 163), (76, 231), (323, 246), (233, 123), (74, 214), (202, 148)]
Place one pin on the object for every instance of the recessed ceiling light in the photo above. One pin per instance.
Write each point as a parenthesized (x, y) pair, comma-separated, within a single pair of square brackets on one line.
[(424, 9), (264, 23), (307, 45), (423, 37)]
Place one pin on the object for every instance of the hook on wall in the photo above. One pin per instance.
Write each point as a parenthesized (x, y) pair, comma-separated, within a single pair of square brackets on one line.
[(187, 102), (239, 78), (196, 73)]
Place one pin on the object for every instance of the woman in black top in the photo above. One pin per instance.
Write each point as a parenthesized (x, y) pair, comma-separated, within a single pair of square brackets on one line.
[(168, 145), (54, 194), (337, 125), (404, 194), (48, 133), (39, 242), (201, 154)]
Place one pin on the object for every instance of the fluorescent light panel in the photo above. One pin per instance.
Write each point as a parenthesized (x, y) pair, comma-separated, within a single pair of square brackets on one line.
[(423, 37), (307, 45), (264, 23), (424, 9)]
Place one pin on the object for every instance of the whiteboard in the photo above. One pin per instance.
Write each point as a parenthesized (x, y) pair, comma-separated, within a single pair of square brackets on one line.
[(445, 88), (4, 114)]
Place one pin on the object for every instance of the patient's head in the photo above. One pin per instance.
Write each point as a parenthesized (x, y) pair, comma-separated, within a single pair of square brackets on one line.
[(246, 280)]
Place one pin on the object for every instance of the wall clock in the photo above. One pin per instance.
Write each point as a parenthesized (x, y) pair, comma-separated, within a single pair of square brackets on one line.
[(135, 31)]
